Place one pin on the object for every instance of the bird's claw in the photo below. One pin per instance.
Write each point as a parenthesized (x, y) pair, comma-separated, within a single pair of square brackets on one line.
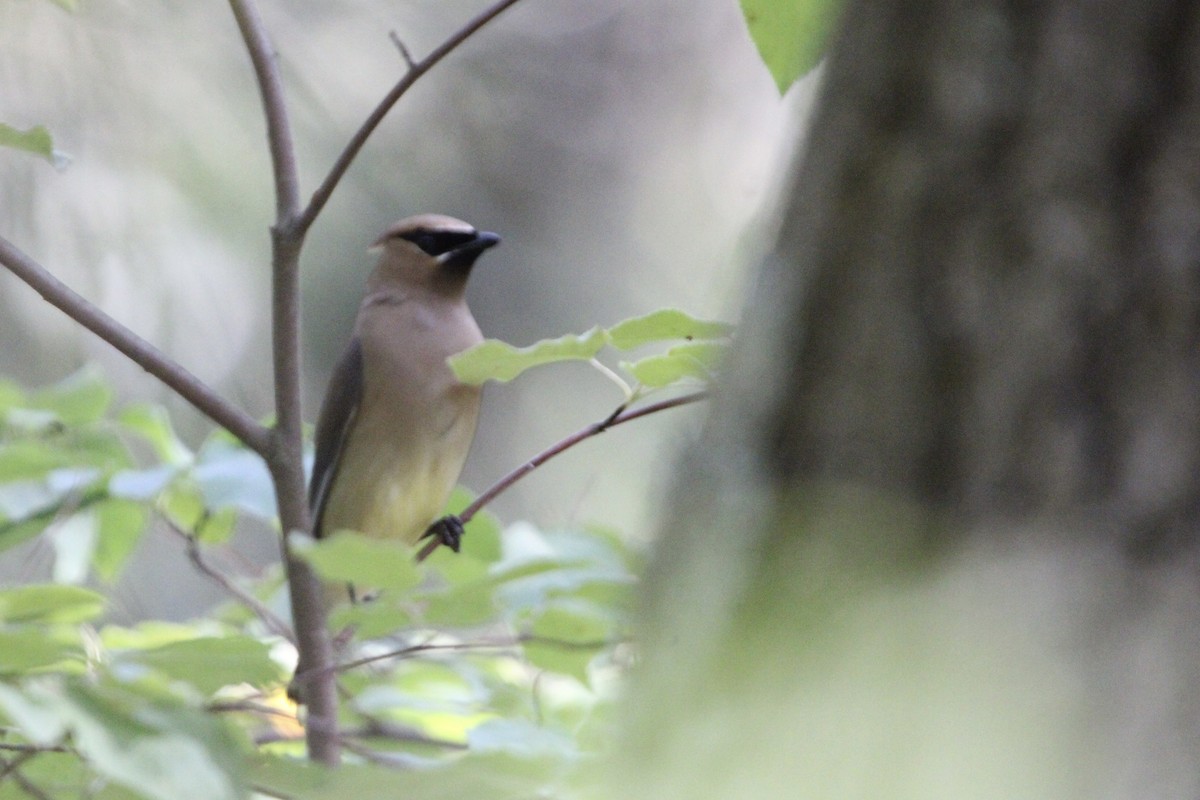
[(448, 531)]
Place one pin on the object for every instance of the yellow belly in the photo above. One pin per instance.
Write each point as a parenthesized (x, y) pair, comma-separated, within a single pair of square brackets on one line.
[(392, 486)]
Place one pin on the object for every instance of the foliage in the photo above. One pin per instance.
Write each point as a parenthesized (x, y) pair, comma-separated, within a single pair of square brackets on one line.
[(702, 346), (790, 34), (494, 668)]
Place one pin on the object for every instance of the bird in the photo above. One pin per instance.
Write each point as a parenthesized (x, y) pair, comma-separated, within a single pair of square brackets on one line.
[(395, 424)]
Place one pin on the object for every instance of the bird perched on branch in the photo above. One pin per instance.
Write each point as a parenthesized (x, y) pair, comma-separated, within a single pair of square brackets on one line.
[(395, 425)]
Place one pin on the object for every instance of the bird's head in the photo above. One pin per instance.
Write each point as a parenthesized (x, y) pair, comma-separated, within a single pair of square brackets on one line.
[(433, 249)]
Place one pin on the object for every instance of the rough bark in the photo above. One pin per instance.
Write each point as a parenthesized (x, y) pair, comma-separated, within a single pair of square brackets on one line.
[(938, 538)]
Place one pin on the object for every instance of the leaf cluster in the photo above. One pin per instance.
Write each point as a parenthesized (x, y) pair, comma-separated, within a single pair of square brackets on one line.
[(495, 667)]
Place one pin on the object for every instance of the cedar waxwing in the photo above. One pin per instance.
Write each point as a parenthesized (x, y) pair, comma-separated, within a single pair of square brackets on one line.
[(395, 425)]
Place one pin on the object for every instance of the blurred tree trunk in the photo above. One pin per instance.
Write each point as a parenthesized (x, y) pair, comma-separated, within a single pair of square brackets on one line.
[(938, 538)]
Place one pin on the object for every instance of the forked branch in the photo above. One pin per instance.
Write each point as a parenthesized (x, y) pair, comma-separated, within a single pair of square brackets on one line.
[(415, 70)]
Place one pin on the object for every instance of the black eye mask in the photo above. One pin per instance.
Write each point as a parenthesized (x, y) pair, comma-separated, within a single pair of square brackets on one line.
[(435, 243)]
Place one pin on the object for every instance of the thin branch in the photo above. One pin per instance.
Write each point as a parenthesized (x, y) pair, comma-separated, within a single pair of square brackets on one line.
[(619, 416), (502, 644), (140, 351), (415, 71), (268, 617), (11, 769), (270, 85), (403, 48), (35, 748)]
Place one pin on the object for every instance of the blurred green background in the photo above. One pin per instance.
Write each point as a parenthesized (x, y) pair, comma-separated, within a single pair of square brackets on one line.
[(628, 153)]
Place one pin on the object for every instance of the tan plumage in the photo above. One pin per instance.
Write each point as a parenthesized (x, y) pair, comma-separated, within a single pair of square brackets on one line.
[(395, 425)]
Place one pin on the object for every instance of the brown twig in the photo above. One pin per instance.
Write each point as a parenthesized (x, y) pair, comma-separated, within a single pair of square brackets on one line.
[(502, 644), (415, 71), (621, 415), (196, 556), (137, 349)]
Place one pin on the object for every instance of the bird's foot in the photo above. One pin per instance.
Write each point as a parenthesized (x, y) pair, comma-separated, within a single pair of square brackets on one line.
[(448, 531)]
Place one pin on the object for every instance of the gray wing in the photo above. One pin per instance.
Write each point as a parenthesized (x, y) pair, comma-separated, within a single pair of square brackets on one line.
[(338, 412)]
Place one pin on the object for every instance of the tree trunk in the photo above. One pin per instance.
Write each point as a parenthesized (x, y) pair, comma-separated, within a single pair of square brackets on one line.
[(938, 538)]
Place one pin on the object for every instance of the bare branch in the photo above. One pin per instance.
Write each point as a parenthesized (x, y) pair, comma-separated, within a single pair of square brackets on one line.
[(415, 71), (617, 417), (508, 643), (270, 85), (404, 53), (268, 617), (140, 351)]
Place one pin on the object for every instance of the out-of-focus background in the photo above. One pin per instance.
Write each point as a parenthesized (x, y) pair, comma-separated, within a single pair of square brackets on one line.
[(627, 152)]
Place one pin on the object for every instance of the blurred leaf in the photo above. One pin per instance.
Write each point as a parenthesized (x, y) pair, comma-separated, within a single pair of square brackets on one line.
[(74, 542), (567, 639), (147, 635), (11, 396), (217, 527), (15, 533), (121, 525), (371, 620), (481, 536), (76, 400), (154, 425), (663, 325), (35, 140), (30, 648), (182, 504), (499, 361), (790, 34), (520, 737), (230, 476), (462, 606), (491, 776), (46, 603), (163, 750), (209, 663), (694, 360), (141, 484), (354, 558)]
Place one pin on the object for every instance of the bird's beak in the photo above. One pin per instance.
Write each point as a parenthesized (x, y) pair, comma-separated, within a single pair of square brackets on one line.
[(482, 241), (465, 254)]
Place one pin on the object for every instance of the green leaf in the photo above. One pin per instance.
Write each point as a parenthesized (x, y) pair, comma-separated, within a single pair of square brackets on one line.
[(230, 476), (154, 425), (74, 542), (163, 750), (182, 505), (121, 525), (499, 361), (76, 400), (664, 325), (567, 638), (141, 484), (46, 603), (209, 663), (790, 34), (481, 536), (521, 738), (371, 620), (353, 558), (36, 140), (694, 360), (462, 606), (30, 648)]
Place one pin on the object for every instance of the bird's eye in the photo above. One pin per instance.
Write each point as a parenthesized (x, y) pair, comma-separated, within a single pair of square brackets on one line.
[(435, 243)]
